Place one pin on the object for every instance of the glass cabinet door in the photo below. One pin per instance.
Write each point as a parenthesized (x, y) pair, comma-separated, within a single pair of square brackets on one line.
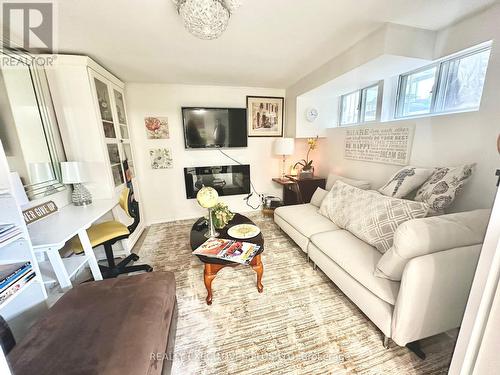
[(112, 111), (105, 108), (126, 149)]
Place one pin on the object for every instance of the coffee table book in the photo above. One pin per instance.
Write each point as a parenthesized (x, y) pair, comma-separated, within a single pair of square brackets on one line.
[(230, 250)]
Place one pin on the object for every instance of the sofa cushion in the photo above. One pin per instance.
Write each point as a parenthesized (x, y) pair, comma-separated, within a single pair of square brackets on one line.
[(358, 259), (360, 184), (318, 197), (430, 235), (440, 190), (371, 217), (305, 218), (404, 181)]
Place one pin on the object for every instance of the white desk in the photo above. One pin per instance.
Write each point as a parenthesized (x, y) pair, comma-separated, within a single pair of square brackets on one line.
[(50, 234)]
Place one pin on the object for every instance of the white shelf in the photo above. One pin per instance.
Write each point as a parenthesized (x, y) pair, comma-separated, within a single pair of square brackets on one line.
[(12, 240), (72, 264), (19, 292)]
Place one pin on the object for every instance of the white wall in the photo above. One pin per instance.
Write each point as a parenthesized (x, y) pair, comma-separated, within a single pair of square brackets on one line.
[(163, 192), (444, 140)]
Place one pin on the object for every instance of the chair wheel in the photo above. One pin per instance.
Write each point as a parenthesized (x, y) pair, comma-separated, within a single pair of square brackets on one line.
[(135, 257), (150, 269)]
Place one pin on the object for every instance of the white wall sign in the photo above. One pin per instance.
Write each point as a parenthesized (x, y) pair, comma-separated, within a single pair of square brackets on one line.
[(384, 144)]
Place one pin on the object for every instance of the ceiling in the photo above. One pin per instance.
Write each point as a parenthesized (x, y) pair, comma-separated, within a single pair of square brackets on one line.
[(268, 43)]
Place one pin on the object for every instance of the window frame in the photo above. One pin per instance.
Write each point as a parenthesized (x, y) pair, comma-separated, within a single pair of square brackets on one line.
[(437, 88), (361, 106)]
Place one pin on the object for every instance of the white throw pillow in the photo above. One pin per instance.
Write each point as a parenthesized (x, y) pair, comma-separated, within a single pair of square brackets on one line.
[(318, 197), (371, 217), (440, 190), (332, 178), (404, 181)]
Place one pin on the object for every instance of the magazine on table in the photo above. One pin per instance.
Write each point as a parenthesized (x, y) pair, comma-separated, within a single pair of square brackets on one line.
[(234, 251)]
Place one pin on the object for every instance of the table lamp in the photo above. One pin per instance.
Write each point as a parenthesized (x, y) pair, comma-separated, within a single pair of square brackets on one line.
[(284, 147), (74, 173), (208, 197), (42, 173)]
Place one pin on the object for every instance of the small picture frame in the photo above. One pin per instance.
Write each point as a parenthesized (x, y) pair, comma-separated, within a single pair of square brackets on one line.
[(265, 116), (157, 127), (161, 158)]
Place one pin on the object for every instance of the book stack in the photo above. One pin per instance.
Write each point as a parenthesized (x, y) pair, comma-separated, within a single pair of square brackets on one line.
[(13, 277), (8, 231)]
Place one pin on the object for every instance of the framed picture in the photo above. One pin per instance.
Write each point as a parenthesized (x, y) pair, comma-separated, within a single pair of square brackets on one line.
[(265, 116), (157, 127), (161, 158)]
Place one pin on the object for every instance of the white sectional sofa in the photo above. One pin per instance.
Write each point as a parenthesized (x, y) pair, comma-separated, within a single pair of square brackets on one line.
[(436, 255)]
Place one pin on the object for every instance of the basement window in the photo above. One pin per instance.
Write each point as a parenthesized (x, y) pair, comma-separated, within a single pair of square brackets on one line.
[(359, 106), (451, 85)]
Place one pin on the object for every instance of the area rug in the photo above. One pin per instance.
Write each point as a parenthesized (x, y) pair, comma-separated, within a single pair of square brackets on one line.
[(301, 324)]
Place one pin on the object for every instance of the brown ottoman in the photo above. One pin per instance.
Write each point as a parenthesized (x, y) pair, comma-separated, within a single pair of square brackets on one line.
[(116, 326)]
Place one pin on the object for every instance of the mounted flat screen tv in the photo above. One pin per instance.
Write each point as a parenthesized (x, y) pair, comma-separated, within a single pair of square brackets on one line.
[(215, 127)]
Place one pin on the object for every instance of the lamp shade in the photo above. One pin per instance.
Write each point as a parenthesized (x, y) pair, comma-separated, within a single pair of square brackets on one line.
[(207, 197), (73, 172), (284, 146), (41, 172)]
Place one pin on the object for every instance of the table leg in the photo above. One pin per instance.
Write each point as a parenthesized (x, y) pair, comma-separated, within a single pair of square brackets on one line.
[(258, 267), (59, 269), (89, 253), (208, 276)]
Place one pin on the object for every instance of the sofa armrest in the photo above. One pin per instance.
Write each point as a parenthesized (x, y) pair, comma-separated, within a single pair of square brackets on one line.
[(433, 293), (429, 235)]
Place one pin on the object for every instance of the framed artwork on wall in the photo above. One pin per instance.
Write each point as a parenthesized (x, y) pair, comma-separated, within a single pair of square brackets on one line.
[(265, 116), (161, 158), (157, 127)]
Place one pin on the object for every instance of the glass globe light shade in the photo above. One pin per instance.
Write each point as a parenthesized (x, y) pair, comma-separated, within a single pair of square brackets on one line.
[(232, 5), (207, 197), (205, 19)]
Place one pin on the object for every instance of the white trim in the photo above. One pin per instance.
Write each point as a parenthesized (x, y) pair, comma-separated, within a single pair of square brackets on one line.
[(438, 77)]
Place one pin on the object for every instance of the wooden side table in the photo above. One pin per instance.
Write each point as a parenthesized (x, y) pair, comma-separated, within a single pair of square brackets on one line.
[(296, 191)]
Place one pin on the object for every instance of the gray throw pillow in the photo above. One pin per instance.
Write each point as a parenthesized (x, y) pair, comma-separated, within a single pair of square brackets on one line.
[(441, 189)]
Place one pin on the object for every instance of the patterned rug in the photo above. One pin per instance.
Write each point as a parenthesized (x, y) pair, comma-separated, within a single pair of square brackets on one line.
[(301, 324)]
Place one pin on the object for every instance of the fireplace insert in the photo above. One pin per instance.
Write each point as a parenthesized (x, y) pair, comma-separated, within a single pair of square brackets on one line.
[(226, 179)]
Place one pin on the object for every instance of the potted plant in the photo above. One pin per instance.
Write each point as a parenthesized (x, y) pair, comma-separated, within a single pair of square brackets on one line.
[(221, 215), (307, 170)]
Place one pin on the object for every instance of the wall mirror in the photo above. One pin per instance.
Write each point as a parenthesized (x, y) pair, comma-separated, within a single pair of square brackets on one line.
[(28, 126)]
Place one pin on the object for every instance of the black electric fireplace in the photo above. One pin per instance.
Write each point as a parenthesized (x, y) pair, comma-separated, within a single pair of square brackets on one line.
[(226, 179)]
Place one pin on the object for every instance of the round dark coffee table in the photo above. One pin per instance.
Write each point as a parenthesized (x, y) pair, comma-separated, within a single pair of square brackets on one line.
[(214, 265)]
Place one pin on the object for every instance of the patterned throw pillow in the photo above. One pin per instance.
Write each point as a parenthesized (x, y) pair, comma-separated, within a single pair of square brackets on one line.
[(369, 216), (405, 181), (440, 190)]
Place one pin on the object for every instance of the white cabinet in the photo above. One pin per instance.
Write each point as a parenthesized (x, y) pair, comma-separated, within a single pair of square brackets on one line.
[(91, 111)]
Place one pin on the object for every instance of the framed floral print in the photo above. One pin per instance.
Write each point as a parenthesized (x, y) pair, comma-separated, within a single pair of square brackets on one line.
[(157, 127), (161, 158), (265, 116)]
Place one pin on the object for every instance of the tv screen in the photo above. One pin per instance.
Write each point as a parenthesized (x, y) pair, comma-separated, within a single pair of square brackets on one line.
[(215, 127)]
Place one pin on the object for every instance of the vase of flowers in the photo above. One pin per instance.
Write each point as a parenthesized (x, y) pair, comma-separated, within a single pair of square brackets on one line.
[(307, 169), (221, 215)]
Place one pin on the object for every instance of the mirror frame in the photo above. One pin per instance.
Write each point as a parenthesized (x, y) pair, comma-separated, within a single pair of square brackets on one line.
[(48, 119)]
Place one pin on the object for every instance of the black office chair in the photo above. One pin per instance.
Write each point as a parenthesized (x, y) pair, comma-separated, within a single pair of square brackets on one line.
[(110, 232)]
